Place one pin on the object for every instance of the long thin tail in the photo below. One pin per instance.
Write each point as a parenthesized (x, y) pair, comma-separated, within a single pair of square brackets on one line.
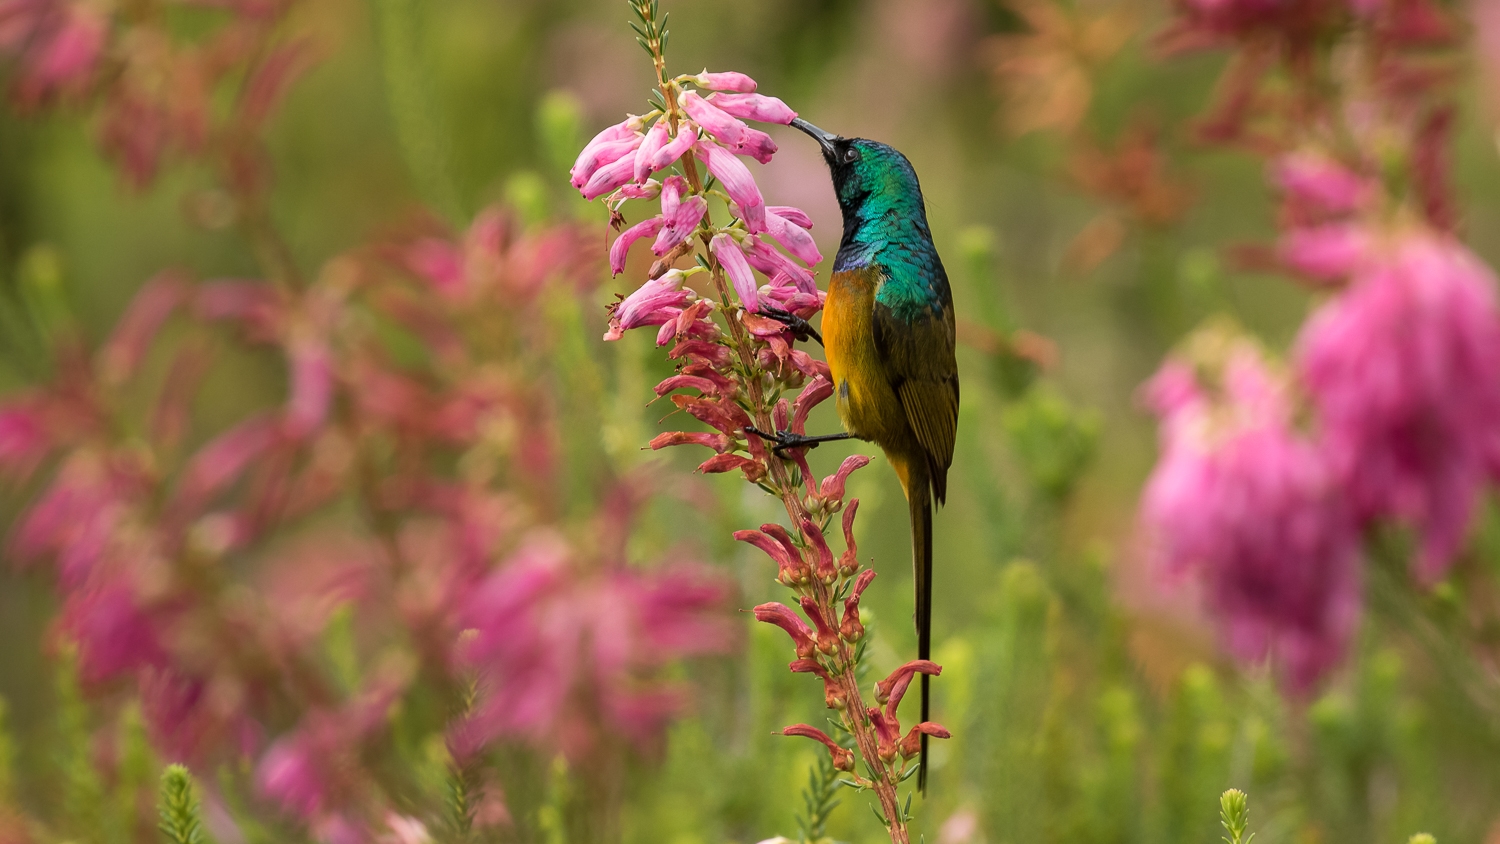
[(919, 499)]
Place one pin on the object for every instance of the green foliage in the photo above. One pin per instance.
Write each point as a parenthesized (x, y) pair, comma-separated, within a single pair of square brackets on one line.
[(819, 798), (7, 758), (1234, 815), (178, 808)]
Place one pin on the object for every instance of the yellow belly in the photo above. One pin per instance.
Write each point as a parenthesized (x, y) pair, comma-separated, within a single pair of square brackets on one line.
[(867, 405)]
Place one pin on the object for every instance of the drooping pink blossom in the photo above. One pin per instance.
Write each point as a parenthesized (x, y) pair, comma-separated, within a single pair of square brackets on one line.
[(656, 138), (682, 215), (726, 129), (686, 138), (621, 247), (656, 302), (609, 145), (737, 268), (726, 81), (1254, 510), (1403, 368), (768, 260), (609, 177), (792, 236), (737, 182), (754, 107)]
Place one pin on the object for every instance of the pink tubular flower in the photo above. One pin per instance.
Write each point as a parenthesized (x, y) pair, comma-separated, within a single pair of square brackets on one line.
[(733, 261), (609, 177), (737, 182), (782, 616), (621, 247), (1252, 508), (682, 216), (687, 136), (606, 147), (656, 138), (729, 81), (657, 301), (1404, 370), (754, 107), (832, 488), (726, 129), (792, 236), (764, 257)]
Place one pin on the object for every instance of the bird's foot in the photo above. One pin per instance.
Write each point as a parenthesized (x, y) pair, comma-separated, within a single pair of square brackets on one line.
[(800, 328), (784, 440)]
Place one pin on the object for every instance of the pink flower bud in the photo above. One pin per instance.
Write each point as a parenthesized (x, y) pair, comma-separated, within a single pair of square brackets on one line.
[(622, 244), (737, 268), (727, 81), (598, 153), (756, 144), (655, 139), (793, 238), (609, 177), (737, 182), (754, 107), (843, 760), (311, 388), (650, 190), (782, 616), (887, 733), (687, 136), (725, 128), (717, 442), (721, 463), (821, 554)]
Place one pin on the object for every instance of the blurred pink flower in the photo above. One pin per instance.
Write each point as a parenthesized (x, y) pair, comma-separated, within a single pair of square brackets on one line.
[(1242, 501), (1403, 368), (1325, 253), (562, 652), (1320, 182), (114, 633), (58, 43)]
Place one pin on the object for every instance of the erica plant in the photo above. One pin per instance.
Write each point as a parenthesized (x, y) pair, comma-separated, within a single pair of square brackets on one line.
[(735, 339), (1274, 478)]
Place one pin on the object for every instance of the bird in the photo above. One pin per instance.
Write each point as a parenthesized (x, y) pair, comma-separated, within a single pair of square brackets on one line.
[(888, 335)]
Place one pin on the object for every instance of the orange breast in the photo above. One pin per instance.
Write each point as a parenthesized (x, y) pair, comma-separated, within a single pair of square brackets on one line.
[(867, 405)]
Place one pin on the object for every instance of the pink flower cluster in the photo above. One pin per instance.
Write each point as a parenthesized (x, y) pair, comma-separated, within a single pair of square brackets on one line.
[(622, 159), (206, 579), (1242, 500)]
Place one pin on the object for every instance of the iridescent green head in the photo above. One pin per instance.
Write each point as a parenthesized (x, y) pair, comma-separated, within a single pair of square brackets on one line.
[(867, 173)]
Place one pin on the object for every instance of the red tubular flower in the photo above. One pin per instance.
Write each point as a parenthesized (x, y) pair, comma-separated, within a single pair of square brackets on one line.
[(688, 382), (843, 759), (912, 744), (890, 690), (753, 470), (887, 733), (833, 694), (726, 416), (849, 560), (828, 638), (822, 556), (850, 627), (717, 442), (701, 351), (782, 616), (789, 566), (833, 486), (816, 391)]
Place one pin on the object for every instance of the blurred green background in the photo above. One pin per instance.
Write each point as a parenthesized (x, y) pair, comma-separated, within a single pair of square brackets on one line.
[(1088, 704)]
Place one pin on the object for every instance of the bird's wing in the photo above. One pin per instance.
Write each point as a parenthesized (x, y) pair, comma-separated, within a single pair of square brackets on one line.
[(919, 361)]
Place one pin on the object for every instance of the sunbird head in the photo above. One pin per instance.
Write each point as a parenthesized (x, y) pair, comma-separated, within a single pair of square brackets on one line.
[(864, 169)]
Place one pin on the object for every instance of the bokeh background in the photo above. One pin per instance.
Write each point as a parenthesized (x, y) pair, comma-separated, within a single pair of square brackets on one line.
[(1086, 231)]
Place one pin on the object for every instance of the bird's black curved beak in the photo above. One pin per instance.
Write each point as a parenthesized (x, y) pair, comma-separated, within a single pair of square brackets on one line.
[(824, 139)]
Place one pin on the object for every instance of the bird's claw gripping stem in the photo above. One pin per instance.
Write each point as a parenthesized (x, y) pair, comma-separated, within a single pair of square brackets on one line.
[(800, 328), (786, 439)]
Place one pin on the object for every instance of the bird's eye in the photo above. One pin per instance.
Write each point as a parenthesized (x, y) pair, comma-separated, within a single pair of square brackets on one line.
[(851, 154)]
